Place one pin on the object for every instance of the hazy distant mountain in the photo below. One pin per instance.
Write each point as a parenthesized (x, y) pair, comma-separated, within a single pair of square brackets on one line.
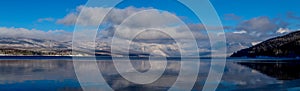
[(283, 46), (29, 46), (10, 46)]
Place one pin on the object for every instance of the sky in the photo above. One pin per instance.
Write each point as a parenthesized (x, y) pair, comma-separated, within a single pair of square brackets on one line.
[(26, 13), (243, 20)]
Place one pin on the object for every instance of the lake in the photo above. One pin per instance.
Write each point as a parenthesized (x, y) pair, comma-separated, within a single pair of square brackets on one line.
[(57, 74)]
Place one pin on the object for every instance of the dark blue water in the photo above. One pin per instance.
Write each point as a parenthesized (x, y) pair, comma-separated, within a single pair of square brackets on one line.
[(57, 74)]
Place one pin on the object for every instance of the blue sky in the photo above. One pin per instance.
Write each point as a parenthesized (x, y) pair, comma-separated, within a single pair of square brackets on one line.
[(26, 13)]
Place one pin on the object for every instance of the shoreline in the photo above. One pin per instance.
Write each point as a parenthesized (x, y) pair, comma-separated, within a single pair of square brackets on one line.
[(49, 57)]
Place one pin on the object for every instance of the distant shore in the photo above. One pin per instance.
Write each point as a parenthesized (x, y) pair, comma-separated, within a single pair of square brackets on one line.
[(49, 57)]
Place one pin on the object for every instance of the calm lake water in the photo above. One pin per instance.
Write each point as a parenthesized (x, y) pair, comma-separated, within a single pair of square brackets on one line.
[(58, 75)]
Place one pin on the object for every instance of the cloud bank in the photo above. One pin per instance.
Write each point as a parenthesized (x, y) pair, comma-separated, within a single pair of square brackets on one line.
[(244, 34), (59, 35)]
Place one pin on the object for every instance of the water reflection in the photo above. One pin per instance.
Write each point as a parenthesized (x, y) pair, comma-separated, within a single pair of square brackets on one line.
[(58, 75), (282, 70)]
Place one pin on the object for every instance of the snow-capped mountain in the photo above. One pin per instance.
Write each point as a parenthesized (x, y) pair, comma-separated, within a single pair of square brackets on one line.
[(30, 46)]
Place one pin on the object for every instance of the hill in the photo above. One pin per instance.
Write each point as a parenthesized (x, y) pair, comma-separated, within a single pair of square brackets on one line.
[(282, 46)]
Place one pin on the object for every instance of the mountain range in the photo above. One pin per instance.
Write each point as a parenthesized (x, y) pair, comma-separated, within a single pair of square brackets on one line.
[(20, 46), (43, 47), (29, 46)]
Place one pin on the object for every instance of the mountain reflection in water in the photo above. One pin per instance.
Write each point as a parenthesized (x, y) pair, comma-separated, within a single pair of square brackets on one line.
[(281, 70), (59, 75)]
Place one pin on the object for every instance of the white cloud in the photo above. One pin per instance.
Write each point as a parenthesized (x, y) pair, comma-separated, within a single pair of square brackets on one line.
[(33, 33), (152, 18), (70, 19), (258, 26), (155, 41), (90, 16), (45, 19), (240, 32), (232, 16)]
